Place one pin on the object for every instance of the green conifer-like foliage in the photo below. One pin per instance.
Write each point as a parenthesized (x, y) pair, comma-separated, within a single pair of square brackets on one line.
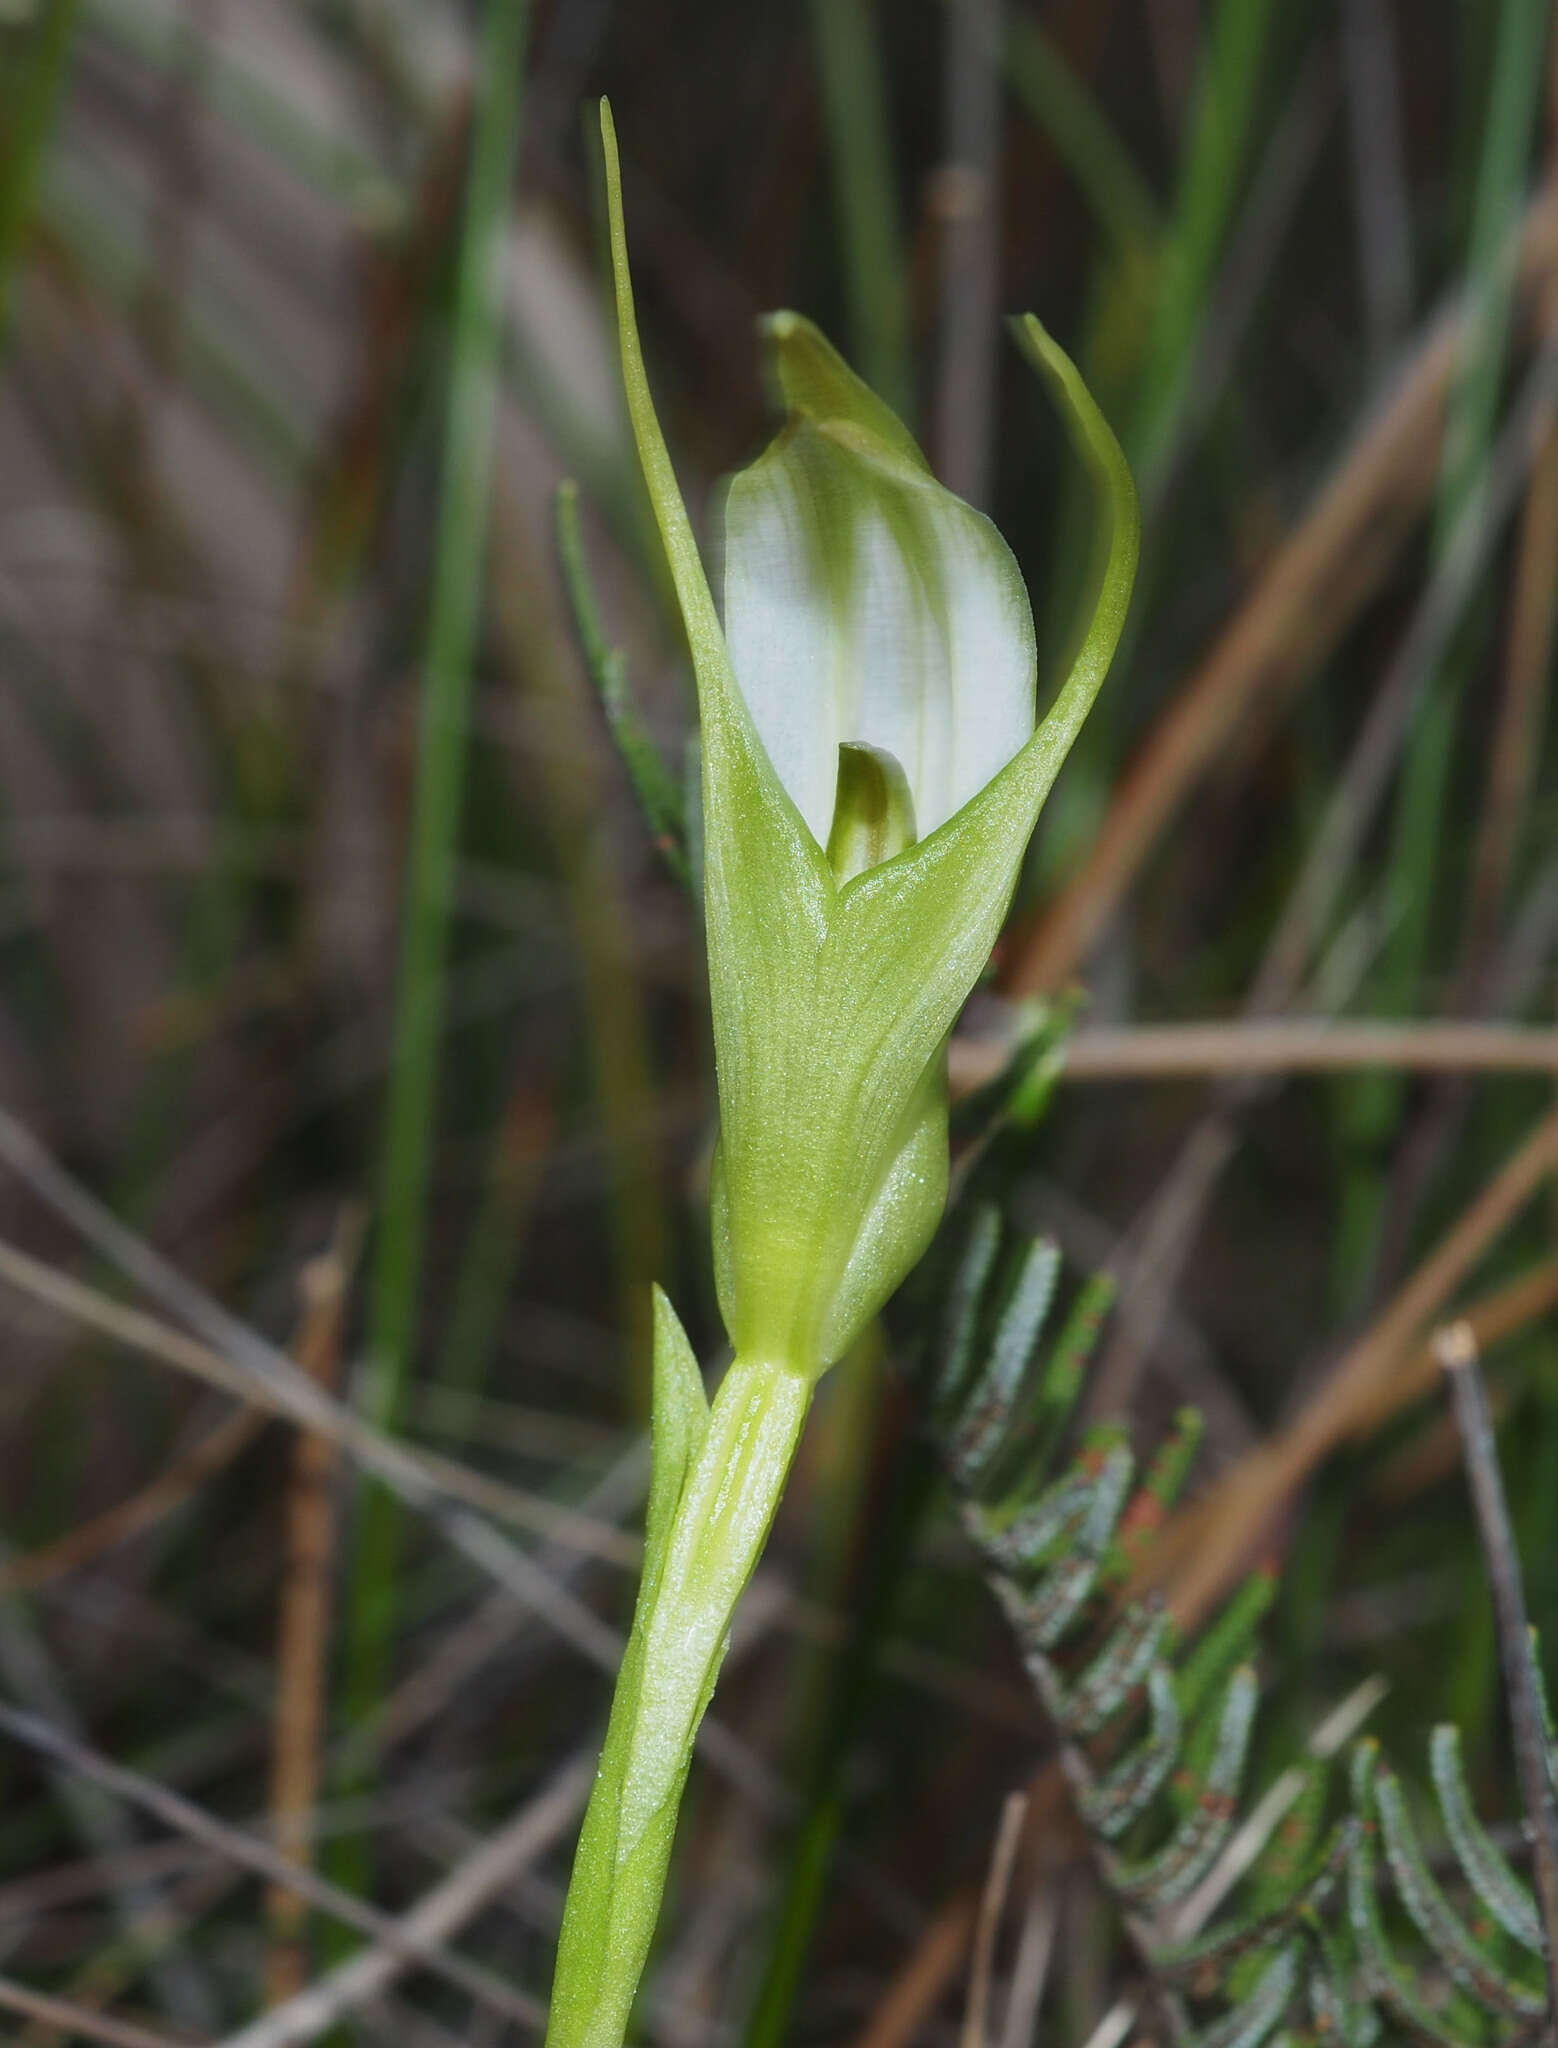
[(1341, 1928)]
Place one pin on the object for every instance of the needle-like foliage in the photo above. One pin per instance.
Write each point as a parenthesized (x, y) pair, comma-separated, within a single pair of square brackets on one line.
[(1342, 1924)]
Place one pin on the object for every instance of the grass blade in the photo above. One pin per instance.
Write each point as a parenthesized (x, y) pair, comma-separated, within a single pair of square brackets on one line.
[(458, 570), (870, 235), (1208, 192), (1417, 827)]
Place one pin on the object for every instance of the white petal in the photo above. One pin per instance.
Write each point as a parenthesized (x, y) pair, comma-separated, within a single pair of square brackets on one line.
[(865, 602), (781, 632), (942, 643)]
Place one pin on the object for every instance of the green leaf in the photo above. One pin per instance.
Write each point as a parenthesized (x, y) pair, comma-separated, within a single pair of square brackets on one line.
[(679, 1423), (716, 1477), (607, 1912), (1486, 1867), (1101, 613)]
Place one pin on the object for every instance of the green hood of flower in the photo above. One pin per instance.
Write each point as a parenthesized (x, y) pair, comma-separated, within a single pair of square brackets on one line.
[(864, 606)]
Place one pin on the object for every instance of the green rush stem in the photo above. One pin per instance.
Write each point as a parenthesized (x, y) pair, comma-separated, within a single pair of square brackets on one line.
[(29, 105), (1069, 117), (680, 1633), (571, 804), (1209, 188), (493, 1246), (876, 286), (1508, 134), (659, 795), (458, 574)]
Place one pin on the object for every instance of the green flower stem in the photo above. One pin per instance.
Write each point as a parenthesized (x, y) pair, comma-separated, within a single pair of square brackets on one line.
[(718, 1475)]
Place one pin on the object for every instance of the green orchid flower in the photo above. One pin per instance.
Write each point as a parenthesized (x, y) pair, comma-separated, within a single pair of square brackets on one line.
[(873, 768)]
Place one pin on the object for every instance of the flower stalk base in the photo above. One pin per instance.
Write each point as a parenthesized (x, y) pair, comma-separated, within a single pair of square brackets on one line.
[(718, 1472)]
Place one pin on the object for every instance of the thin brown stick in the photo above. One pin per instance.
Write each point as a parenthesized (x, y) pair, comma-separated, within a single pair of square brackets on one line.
[(79, 2022), (116, 1525), (1300, 1045), (991, 1906), (919, 1985), (303, 1627), (1456, 1347), (1159, 1243), (1053, 1838), (1201, 1552), (1310, 592)]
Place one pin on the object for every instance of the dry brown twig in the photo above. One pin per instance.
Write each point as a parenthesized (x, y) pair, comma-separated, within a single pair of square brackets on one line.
[(303, 1630), (991, 1906), (68, 1884), (966, 198), (1202, 1550), (1030, 1968), (1300, 1045)]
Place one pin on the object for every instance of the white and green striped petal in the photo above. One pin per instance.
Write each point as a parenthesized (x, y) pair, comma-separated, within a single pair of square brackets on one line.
[(866, 605)]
